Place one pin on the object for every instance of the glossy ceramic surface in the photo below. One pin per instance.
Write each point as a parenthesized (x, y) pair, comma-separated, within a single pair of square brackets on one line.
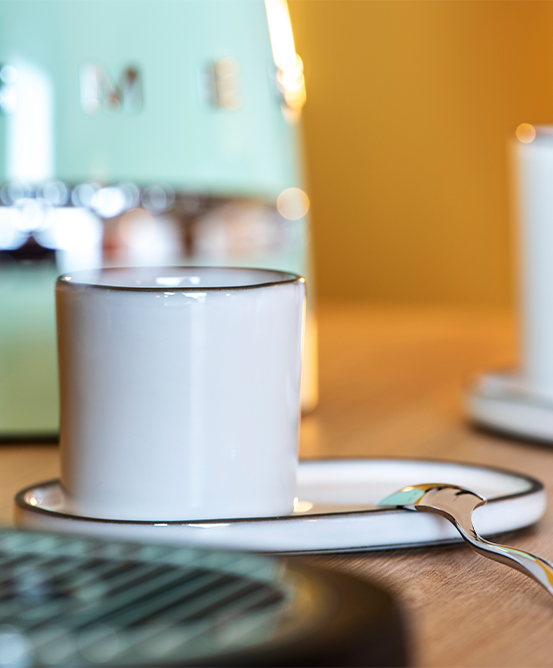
[(534, 171), (179, 392), (505, 403), (336, 511)]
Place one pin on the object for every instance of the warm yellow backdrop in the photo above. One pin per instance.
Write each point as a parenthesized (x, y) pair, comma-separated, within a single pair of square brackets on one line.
[(410, 106)]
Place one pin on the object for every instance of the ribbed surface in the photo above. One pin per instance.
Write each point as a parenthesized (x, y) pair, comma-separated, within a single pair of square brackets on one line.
[(66, 601)]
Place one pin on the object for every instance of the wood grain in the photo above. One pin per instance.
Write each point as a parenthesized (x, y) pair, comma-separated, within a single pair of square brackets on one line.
[(392, 383)]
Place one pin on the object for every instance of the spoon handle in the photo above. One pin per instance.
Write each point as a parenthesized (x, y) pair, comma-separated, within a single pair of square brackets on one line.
[(532, 565)]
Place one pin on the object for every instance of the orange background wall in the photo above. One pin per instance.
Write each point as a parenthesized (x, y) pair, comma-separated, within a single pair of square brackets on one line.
[(410, 106)]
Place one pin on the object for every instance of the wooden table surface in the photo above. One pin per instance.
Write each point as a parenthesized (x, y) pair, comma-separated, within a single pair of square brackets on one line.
[(391, 383)]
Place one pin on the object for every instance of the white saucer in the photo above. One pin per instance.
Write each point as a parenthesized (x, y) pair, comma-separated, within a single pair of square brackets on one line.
[(502, 402), (336, 511)]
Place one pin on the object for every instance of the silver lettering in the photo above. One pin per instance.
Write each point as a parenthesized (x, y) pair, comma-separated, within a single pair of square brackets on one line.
[(98, 91)]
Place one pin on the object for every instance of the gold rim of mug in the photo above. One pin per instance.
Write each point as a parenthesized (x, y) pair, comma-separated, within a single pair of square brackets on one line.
[(289, 278)]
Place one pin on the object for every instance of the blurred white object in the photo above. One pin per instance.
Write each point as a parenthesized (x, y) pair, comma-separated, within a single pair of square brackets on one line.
[(521, 403)]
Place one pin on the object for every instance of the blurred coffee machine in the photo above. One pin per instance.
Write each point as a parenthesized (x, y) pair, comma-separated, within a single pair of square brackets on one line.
[(149, 132)]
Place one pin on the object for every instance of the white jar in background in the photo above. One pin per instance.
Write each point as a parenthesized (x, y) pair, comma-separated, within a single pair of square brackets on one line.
[(535, 199)]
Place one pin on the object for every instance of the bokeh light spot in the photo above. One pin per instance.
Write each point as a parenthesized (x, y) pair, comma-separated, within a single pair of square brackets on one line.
[(293, 203), (526, 133)]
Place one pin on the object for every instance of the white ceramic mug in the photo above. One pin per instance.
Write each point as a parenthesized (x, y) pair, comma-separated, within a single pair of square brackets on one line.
[(179, 391)]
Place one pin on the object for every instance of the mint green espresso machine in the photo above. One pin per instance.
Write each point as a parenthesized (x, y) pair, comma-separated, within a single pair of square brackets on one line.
[(134, 133)]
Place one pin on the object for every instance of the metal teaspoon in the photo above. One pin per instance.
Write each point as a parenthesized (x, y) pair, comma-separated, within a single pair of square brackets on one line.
[(456, 505)]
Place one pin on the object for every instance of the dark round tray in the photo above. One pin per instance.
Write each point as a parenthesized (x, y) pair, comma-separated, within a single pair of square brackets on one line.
[(71, 601)]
